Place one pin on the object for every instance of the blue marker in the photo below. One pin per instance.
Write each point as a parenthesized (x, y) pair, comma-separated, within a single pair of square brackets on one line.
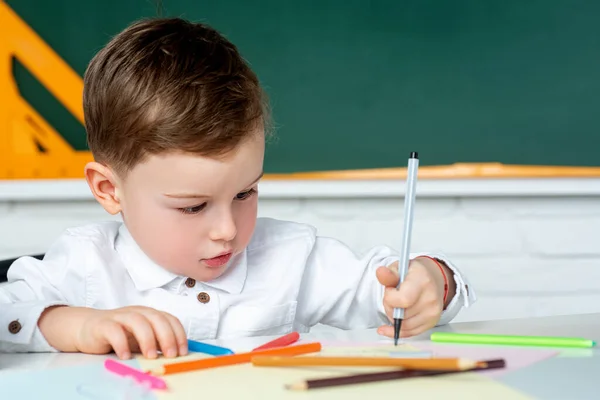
[(206, 348)]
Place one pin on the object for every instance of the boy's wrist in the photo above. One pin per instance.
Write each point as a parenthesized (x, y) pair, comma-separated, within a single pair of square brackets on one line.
[(60, 326), (450, 280), (443, 276), (46, 317), (49, 324)]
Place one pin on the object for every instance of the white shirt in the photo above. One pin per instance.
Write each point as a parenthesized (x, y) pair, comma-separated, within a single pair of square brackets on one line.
[(287, 279)]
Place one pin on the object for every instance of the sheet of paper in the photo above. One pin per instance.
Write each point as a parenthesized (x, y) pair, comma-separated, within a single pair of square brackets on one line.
[(82, 382), (93, 382), (266, 383), (515, 357)]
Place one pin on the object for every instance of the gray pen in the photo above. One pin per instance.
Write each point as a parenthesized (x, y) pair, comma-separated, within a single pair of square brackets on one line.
[(409, 205)]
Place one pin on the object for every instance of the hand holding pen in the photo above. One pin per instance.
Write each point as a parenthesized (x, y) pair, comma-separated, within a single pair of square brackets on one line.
[(414, 297)]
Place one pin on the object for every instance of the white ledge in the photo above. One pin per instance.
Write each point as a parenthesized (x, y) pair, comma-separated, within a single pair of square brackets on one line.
[(75, 189), (434, 188)]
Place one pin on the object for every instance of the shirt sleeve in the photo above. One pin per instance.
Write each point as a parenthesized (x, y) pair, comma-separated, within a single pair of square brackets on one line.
[(34, 285), (340, 288)]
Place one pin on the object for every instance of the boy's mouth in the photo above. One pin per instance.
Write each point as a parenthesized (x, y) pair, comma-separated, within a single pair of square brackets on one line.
[(217, 261)]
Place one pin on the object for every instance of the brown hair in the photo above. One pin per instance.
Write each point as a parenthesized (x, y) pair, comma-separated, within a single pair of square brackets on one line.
[(167, 84)]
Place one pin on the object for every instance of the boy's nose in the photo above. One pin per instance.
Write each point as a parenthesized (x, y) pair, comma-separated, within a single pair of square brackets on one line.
[(224, 228)]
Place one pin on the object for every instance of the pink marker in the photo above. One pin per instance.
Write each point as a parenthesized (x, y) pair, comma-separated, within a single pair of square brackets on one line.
[(280, 342), (141, 377)]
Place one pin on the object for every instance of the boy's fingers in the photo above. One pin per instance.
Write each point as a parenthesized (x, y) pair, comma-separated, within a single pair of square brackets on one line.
[(388, 331), (180, 335), (164, 334), (142, 330), (133, 344), (115, 336), (414, 322), (387, 277), (415, 331), (389, 310), (404, 297)]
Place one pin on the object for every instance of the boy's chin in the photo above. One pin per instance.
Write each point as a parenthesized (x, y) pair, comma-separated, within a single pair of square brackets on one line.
[(205, 274)]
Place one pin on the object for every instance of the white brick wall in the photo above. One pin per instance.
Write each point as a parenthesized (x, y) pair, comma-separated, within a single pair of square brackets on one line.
[(30, 226), (525, 255)]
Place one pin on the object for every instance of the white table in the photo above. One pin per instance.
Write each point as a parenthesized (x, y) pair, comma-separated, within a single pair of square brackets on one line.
[(563, 376)]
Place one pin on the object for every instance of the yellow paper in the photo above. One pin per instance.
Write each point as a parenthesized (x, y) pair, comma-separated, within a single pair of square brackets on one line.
[(268, 383)]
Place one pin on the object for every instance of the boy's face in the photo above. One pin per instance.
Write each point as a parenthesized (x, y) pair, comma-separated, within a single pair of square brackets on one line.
[(191, 214)]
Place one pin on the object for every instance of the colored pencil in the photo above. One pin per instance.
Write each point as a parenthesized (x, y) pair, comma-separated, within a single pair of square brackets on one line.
[(407, 363), (285, 340), (384, 376), (233, 359)]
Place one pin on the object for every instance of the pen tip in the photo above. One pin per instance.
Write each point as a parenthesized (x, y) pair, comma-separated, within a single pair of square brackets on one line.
[(414, 154), (397, 326)]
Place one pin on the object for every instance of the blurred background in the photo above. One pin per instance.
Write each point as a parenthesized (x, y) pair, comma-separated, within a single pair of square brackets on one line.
[(500, 99)]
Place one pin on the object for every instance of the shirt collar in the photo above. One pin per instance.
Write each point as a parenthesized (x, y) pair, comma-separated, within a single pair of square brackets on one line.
[(146, 274)]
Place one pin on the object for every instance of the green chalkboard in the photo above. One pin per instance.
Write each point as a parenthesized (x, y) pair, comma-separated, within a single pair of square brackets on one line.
[(359, 84)]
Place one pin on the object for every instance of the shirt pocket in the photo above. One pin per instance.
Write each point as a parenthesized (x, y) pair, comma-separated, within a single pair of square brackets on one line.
[(258, 321)]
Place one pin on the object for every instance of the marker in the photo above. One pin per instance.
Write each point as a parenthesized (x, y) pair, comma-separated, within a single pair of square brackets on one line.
[(141, 377), (549, 341), (409, 201), (285, 340), (206, 348), (234, 359)]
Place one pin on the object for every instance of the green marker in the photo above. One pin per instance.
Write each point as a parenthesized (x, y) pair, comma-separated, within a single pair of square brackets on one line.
[(549, 341)]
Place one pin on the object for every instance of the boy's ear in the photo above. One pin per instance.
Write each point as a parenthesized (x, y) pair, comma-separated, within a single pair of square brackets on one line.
[(104, 186)]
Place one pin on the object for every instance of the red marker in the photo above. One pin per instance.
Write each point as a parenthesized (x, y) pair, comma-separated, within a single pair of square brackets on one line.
[(280, 342)]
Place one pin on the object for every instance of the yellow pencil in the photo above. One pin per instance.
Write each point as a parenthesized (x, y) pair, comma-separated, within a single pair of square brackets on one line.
[(447, 364)]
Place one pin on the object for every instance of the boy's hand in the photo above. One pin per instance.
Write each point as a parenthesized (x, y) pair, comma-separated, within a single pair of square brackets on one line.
[(125, 330), (421, 295)]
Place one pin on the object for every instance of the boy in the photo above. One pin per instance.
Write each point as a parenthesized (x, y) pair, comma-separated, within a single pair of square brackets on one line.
[(176, 123)]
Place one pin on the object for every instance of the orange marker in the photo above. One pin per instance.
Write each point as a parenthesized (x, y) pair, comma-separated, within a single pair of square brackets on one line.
[(280, 342), (239, 358)]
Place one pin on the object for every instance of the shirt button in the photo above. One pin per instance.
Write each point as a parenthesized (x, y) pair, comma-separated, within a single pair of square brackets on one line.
[(189, 282), (203, 297), (14, 327)]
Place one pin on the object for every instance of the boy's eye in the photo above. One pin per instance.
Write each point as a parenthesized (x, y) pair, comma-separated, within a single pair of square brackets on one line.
[(193, 210), (245, 195)]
